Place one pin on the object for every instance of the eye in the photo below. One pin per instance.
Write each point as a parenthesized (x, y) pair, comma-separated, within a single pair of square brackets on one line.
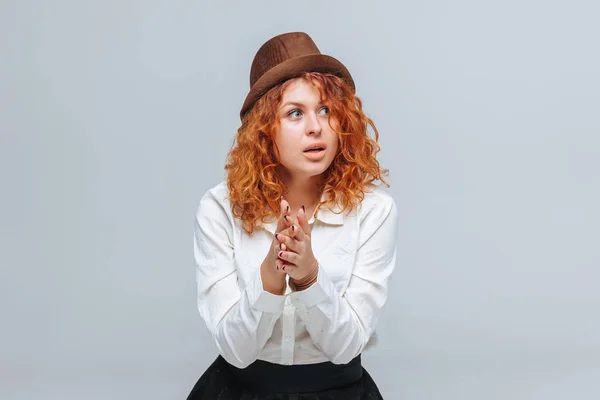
[(293, 112), (297, 110)]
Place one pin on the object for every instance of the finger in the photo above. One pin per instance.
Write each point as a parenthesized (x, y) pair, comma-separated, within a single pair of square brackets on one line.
[(289, 221), (287, 210), (291, 231), (282, 265), (284, 210), (287, 241), (299, 234), (303, 220), (288, 256), (290, 269), (288, 218), (276, 248)]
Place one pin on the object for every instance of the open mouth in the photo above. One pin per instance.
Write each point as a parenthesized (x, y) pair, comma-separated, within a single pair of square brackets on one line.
[(315, 150)]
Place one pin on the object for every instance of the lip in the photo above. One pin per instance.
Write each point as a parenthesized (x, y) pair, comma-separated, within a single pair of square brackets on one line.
[(316, 145), (315, 156)]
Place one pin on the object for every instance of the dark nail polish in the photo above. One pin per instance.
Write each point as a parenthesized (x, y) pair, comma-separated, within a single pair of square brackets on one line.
[(281, 246), (283, 268), (288, 208), (292, 228), (277, 236), (280, 254), (303, 209), (285, 217)]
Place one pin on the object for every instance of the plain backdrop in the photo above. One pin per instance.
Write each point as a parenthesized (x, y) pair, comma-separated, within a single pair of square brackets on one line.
[(116, 117)]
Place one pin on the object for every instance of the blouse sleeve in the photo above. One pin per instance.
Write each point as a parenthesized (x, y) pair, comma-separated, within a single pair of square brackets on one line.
[(240, 320), (341, 324)]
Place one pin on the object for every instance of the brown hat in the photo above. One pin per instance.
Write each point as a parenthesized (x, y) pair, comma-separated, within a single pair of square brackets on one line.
[(286, 56)]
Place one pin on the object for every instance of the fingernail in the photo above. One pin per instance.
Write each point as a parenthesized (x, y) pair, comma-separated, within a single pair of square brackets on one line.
[(303, 209), (285, 217), (280, 254), (283, 268), (277, 266), (281, 246), (292, 228), (288, 208), (277, 236)]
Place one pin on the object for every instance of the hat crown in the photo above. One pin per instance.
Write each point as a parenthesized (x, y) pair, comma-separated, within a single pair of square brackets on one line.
[(280, 49), (287, 56)]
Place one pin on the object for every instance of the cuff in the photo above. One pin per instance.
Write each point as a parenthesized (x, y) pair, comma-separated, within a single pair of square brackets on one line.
[(319, 291), (260, 299)]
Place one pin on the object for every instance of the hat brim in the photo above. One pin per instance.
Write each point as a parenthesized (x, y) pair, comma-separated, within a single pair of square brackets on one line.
[(291, 68)]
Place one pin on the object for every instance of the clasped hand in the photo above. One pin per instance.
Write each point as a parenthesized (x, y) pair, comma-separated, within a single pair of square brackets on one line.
[(294, 253)]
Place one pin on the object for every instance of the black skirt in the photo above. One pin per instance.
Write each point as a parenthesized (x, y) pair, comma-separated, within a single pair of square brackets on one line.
[(263, 380)]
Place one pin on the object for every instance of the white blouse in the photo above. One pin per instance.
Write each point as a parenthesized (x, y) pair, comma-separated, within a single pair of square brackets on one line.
[(333, 320)]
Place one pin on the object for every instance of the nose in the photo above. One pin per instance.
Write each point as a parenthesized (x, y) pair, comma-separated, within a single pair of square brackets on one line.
[(313, 125)]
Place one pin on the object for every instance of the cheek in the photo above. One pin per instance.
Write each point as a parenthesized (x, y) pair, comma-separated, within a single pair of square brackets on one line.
[(288, 138), (286, 148), (334, 143)]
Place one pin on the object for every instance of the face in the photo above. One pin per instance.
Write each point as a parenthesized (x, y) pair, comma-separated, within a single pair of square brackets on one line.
[(307, 144)]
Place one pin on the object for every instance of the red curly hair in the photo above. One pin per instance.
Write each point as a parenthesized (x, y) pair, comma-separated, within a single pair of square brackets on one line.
[(253, 178)]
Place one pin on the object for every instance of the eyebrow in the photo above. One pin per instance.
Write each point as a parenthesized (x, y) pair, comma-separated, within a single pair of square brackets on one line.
[(293, 103)]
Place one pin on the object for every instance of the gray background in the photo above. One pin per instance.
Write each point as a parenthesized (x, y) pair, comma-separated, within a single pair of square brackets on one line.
[(116, 117)]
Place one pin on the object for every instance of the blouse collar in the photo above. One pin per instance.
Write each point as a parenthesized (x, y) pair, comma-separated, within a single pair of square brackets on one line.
[(325, 215)]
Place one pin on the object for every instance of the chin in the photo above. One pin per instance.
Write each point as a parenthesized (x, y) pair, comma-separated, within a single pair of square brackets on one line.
[(305, 170), (315, 171)]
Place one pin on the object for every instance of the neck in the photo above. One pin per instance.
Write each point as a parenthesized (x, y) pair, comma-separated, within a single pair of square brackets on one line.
[(305, 192)]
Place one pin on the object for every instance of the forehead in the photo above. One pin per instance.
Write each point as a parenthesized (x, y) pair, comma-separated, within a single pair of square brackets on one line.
[(299, 90)]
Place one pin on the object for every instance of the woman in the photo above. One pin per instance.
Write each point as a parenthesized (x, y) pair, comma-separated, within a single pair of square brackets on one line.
[(295, 249)]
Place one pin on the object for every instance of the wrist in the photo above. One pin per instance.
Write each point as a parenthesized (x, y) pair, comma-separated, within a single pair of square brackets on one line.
[(274, 286), (307, 281), (272, 283), (278, 290)]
